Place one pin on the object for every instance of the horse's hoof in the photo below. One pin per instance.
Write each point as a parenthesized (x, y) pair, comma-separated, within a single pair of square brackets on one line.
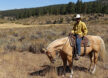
[(63, 76), (93, 72), (70, 76)]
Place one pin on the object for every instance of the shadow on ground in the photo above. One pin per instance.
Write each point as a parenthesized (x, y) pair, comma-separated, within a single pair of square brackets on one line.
[(59, 69)]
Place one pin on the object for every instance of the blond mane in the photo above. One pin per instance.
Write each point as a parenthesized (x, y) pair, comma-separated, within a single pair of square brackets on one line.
[(56, 43)]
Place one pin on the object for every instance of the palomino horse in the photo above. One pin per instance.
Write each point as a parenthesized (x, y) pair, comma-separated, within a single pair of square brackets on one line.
[(96, 48)]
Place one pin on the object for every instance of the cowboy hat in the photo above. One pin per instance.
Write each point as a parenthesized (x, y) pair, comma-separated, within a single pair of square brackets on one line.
[(78, 16)]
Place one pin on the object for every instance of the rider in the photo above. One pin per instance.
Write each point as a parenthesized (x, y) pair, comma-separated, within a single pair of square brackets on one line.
[(79, 31)]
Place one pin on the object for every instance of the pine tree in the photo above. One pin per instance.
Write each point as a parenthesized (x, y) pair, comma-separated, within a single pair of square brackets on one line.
[(70, 8), (84, 8), (62, 10), (78, 6)]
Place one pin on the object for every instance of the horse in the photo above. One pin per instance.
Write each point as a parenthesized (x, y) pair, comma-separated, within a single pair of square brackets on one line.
[(63, 47)]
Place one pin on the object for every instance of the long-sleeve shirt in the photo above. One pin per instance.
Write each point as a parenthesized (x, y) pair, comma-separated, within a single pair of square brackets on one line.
[(80, 29)]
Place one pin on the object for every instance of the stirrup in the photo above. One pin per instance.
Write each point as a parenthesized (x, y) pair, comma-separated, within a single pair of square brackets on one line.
[(76, 57)]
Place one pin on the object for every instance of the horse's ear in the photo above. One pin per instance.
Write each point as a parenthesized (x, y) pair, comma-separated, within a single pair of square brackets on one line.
[(43, 50)]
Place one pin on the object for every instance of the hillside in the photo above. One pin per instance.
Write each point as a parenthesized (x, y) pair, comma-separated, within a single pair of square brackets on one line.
[(24, 32), (61, 9), (20, 46), (63, 19), (58, 19)]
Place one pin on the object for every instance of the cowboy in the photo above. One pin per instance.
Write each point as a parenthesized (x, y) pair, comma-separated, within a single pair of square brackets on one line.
[(79, 31)]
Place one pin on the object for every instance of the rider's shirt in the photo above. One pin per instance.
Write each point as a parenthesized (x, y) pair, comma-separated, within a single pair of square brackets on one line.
[(80, 29)]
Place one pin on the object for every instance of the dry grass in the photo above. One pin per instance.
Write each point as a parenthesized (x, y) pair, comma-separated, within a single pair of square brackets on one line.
[(28, 65), (33, 38), (20, 47), (19, 65)]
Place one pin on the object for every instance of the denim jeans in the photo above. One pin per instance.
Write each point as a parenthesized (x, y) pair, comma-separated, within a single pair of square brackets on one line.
[(78, 44)]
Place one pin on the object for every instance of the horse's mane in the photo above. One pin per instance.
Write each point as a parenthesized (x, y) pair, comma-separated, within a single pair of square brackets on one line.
[(56, 43)]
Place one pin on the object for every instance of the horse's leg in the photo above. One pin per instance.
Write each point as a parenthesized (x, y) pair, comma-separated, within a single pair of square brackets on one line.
[(64, 67), (92, 61), (71, 67), (70, 60), (64, 58), (95, 61)]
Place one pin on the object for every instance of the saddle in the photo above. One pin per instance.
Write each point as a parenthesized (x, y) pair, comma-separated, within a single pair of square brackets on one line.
[(84, 42)]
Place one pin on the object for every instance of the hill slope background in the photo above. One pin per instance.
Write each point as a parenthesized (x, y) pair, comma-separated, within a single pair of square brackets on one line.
[(20, 46), (22, 38)]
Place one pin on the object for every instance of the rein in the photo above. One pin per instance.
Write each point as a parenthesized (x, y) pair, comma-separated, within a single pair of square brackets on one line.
[(65, 43)]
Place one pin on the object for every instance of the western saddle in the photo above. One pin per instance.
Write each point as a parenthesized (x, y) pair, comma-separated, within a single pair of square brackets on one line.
[(84, 42)]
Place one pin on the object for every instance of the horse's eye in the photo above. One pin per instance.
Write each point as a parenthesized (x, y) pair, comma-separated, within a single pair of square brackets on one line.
[(57, 53)]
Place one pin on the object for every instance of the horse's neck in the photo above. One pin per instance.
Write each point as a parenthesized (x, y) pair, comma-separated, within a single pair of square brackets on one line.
[(56, 45)]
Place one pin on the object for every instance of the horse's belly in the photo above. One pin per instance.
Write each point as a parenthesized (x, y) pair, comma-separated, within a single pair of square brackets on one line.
[(86, 51)]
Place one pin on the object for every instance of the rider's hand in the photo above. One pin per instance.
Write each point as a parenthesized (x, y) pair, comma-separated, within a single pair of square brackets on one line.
[(79, 36), (70, 33)]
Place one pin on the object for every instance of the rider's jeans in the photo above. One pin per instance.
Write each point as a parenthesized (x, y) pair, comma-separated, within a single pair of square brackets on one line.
[(78, 43)]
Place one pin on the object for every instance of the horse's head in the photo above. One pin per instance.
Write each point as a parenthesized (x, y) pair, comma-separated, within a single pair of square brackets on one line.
[(51, 55)]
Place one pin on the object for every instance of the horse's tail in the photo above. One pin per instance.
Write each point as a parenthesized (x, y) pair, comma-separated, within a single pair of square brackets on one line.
[(102, 53)]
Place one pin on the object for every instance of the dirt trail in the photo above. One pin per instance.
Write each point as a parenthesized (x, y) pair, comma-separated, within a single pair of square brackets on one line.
[(13, 25)]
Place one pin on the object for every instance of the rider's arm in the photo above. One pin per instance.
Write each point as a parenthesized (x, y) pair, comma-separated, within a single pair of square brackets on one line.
[(73, 30), (84, 28)]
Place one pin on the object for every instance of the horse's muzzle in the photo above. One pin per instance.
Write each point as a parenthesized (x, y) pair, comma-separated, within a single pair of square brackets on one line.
[(53, 61)]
